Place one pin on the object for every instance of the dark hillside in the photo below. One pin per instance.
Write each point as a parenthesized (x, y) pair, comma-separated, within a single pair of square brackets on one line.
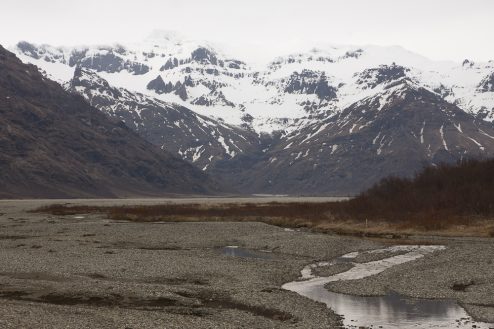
[(54, 144)]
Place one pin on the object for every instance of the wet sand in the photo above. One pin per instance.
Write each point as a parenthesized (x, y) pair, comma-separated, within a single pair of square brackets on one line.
[(68, 272)]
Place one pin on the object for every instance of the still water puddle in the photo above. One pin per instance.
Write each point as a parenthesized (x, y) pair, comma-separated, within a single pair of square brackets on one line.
[(235, 251), (390, 311)]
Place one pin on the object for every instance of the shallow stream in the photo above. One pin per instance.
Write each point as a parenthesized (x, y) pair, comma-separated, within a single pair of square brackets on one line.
[(390, 311)]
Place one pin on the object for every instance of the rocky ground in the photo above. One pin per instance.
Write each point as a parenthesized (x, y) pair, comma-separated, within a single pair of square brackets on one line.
[(85, 271)]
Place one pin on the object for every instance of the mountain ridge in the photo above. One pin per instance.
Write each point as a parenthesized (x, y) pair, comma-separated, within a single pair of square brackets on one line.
[(54, 144), (280, 114)]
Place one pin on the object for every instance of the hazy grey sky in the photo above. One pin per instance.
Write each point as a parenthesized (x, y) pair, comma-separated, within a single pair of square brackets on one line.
[(439, 29)]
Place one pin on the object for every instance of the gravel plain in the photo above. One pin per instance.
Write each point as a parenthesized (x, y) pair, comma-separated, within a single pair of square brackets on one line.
[(86, 271)]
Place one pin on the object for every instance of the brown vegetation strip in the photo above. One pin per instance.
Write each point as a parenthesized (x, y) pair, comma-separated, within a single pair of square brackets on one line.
[(456, 200), (328, 217)]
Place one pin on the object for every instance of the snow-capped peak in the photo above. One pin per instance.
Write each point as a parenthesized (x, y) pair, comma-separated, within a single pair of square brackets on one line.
[(325, 79)]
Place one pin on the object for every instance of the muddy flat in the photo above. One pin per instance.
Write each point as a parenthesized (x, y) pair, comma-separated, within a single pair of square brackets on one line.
[(85, 271)]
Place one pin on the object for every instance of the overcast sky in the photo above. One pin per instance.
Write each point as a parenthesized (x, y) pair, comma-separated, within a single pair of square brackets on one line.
[(439, 29)]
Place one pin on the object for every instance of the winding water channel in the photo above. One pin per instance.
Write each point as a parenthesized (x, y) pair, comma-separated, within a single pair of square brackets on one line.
[(390, 311)]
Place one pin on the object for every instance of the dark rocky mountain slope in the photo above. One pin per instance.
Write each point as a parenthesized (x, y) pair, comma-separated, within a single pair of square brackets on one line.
[(331, 120), (198, 139), (54, 144), (396, 133)]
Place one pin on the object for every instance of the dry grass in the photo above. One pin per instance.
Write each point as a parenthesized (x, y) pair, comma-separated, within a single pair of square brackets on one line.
[(321, 217), (444, 200)]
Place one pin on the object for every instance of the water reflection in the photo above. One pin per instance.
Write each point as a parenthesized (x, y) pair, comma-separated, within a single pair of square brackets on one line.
[(390, 311), (235, 251), (395, 311)]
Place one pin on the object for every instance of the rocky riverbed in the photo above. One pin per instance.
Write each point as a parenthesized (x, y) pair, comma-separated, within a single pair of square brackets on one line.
[(84, 271)]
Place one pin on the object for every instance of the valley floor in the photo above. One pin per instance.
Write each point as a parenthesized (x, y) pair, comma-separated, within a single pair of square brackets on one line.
[(85, 271)]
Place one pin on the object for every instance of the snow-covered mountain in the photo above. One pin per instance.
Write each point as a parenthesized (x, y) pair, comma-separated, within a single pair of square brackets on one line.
[(196, 138), (53, 144), (394, 133), (311, 122), (203, 78)]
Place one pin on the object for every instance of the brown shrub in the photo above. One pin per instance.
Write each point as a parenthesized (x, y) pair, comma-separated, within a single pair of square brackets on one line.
[(436, 199)]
